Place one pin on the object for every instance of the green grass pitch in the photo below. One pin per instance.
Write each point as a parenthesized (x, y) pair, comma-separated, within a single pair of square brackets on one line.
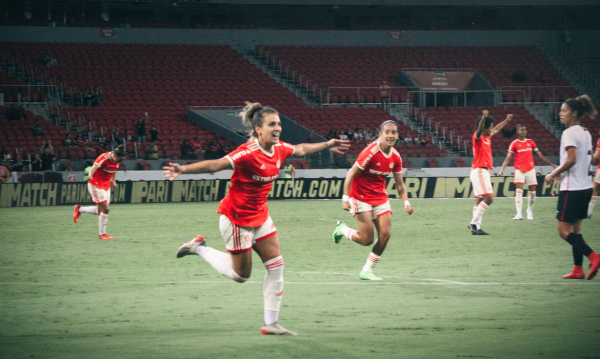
[(445, 294)]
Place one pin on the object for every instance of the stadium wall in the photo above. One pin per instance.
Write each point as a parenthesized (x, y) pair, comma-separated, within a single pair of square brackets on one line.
[(53, 194)]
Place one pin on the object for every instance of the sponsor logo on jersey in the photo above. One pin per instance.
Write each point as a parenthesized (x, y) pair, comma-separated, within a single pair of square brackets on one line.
[(240, 154), (378, 172), (264, 179), (366, 160)]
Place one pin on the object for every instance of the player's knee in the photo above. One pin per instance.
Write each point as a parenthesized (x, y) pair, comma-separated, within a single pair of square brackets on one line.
[(105, 210), (488, 200), (384, 236), (366, 239)]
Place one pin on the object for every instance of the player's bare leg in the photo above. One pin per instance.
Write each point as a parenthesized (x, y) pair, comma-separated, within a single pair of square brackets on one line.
[(383, 225), (530, 201), (572, 234), (593, 200), (269, 252), (519, 201), (364, 236), (103, 220)]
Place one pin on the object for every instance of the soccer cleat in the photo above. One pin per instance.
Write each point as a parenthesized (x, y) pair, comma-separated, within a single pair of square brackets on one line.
[(574, 275), (191, 246), (76, 213), (481, 232), (473, 228), (337, 234), (594, 266), (105, 237), (276, 329), (529, 214), (518, 217), (368, 276)]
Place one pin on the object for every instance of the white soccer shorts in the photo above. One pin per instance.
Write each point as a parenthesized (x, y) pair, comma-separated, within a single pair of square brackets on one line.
[(99, 195), (480, 179), (357, 206), (527, 178), (241, 239)]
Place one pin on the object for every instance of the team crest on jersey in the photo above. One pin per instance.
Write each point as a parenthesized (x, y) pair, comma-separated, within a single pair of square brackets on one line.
[(247, 238), (278, 164)]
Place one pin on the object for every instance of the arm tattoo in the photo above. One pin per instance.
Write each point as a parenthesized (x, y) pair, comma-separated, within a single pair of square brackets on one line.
[(400, 192)]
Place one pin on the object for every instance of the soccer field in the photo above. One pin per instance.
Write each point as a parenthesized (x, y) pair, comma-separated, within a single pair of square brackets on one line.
[(445, 293)]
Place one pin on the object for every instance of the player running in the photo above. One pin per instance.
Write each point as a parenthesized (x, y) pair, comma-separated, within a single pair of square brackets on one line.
[(101, 179), (575, 182), (523, 148), (365, 196), (482, 164), (245, 223), (595, 159)]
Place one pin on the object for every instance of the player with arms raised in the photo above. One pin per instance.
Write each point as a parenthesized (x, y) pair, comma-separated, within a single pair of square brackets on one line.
[(523, 148), (245, 223), (595, 159), (101, 179), (575, 183), (483, 162), (365, 196)]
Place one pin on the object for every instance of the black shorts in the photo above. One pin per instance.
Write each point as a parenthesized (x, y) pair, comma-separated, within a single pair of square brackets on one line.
[(573, 205)]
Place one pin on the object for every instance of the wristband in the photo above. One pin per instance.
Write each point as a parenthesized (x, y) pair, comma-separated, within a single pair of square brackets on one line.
[(406, 203), (345, 198)]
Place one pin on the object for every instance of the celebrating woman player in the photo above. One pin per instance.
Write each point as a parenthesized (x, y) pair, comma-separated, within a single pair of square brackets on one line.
[(575, 182), (595, 159), (245, 223), (101, 179), (366, 197), (523, 149), (483, 162)]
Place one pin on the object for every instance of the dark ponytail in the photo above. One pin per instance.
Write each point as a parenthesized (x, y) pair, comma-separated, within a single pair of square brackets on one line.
[(582, 105)]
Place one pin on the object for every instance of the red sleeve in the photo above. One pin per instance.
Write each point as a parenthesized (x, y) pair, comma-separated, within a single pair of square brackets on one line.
[(364, 158), (101, 159), (598, 145), (288, 149), (397, 164), (238, 156), (533, 145), (511, 148)]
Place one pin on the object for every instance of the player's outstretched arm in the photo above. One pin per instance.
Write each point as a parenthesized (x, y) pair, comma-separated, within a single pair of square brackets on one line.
[(347, 185), (481, 126), (211, 166), (501, 125), (505, 163), (333, 145), (402, 192), (540, 155), (571, 160)]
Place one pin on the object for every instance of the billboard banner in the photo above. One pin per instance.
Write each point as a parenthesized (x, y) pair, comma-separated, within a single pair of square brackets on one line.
[(54, 194)]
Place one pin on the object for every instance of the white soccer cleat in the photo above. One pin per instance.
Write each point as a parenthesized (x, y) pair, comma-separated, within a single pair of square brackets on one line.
[(529, 213), (276, 329), (190, 247), (518, 217)]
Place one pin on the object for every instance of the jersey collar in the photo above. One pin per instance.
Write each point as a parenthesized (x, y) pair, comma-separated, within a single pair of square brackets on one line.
[(270, 154), (383, 153)]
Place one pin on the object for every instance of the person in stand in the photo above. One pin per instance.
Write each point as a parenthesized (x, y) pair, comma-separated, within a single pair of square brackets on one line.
[(483, 162), (384, 92), (101, 179), (595, 160), (47, 155), (523, 149), (68, 141), (187, 151), (575, 183), (367, 133), (36, 164), (140, 127), (154, 134), (245, 223), (366, 198)]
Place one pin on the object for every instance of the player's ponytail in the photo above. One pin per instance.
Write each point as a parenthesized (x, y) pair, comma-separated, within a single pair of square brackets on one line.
[(509, 133), (253, 115), (119, 151), (582, 105)]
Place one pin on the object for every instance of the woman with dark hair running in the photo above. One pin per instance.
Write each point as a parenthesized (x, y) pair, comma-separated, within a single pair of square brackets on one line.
[(365, 196), (245, 223), (483, 162), (523, 149), (575, 182)]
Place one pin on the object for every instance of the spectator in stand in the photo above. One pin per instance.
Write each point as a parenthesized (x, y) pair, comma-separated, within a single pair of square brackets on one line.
[(17, 164), (80, 140), (49, 61), (38, 130), (422, 141), (357, 135), (127, 136), (367, 133), (116, 136), (519, 76), (215, 150), (332, 134), (187, 151), (228, 148), (36, 164), (154, 134), (47, 155), (343, 135), (140, 127), (399, 142), (96, 96), (68, 141), (152, 151), (349, 132), (408, 139), (427, 139), (196, 145), (544, 77), (87, 97), (384, 92), (21, 114)]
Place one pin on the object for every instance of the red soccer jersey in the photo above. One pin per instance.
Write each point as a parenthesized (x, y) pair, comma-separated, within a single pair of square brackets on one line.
[(105, 173), (523, 151), (253, 171), (369, 185), (482, 152)]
